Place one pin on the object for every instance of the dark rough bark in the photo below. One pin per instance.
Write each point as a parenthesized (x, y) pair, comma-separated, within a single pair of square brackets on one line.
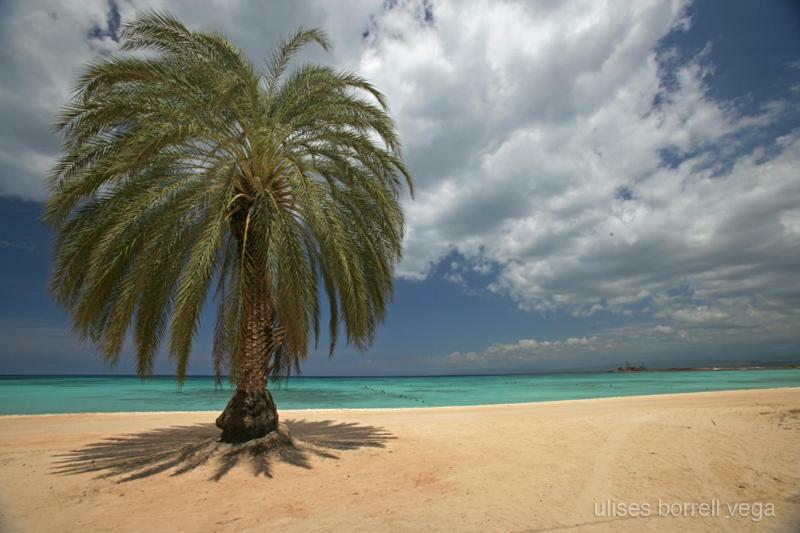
[(251, 413)]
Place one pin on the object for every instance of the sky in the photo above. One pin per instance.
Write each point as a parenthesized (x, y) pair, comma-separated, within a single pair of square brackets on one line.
[(596, 182)]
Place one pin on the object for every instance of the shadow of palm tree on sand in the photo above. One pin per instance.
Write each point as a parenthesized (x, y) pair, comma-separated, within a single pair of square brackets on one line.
[(184, 448)]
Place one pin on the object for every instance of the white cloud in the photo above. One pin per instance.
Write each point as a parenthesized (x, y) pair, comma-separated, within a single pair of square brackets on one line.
[(538, 136), (45, 44), (654, 345), (537, 133), (16, 245)]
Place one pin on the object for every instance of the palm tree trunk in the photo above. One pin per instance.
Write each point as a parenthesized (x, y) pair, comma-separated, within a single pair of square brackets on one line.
[(251, 412)]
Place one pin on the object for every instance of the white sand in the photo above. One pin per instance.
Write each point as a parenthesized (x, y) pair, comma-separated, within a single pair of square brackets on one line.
[(547, 466)]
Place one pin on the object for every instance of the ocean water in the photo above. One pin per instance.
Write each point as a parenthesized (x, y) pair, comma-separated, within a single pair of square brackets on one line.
[(39, 395)]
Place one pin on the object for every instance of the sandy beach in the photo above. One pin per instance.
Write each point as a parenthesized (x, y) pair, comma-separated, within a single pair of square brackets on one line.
[(584, 465)]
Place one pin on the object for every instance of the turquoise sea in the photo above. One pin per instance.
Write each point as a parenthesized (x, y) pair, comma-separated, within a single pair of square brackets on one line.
[(72, 394)]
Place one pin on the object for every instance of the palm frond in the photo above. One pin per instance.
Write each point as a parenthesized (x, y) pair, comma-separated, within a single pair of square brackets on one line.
[(185, 166)]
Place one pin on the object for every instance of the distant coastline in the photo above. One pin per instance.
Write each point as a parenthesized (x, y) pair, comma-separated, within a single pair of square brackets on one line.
[(556, 372), (642, 368)]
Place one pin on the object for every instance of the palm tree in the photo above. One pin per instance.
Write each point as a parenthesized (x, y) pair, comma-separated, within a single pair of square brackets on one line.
[(186, 169)]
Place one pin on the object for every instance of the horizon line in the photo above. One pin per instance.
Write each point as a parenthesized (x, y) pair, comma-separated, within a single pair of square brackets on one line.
[(488, 374)]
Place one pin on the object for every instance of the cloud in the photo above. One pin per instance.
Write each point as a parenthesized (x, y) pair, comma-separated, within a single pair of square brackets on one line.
[(45, 44), (654, 344), (15, 245), (559, 149), (589, 165)]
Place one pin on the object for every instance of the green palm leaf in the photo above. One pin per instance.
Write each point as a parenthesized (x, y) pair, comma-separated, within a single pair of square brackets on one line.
[(185, 167)]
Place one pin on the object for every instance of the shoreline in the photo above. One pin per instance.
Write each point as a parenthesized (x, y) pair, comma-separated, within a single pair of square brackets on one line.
[(523, 466), (421, 408)]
